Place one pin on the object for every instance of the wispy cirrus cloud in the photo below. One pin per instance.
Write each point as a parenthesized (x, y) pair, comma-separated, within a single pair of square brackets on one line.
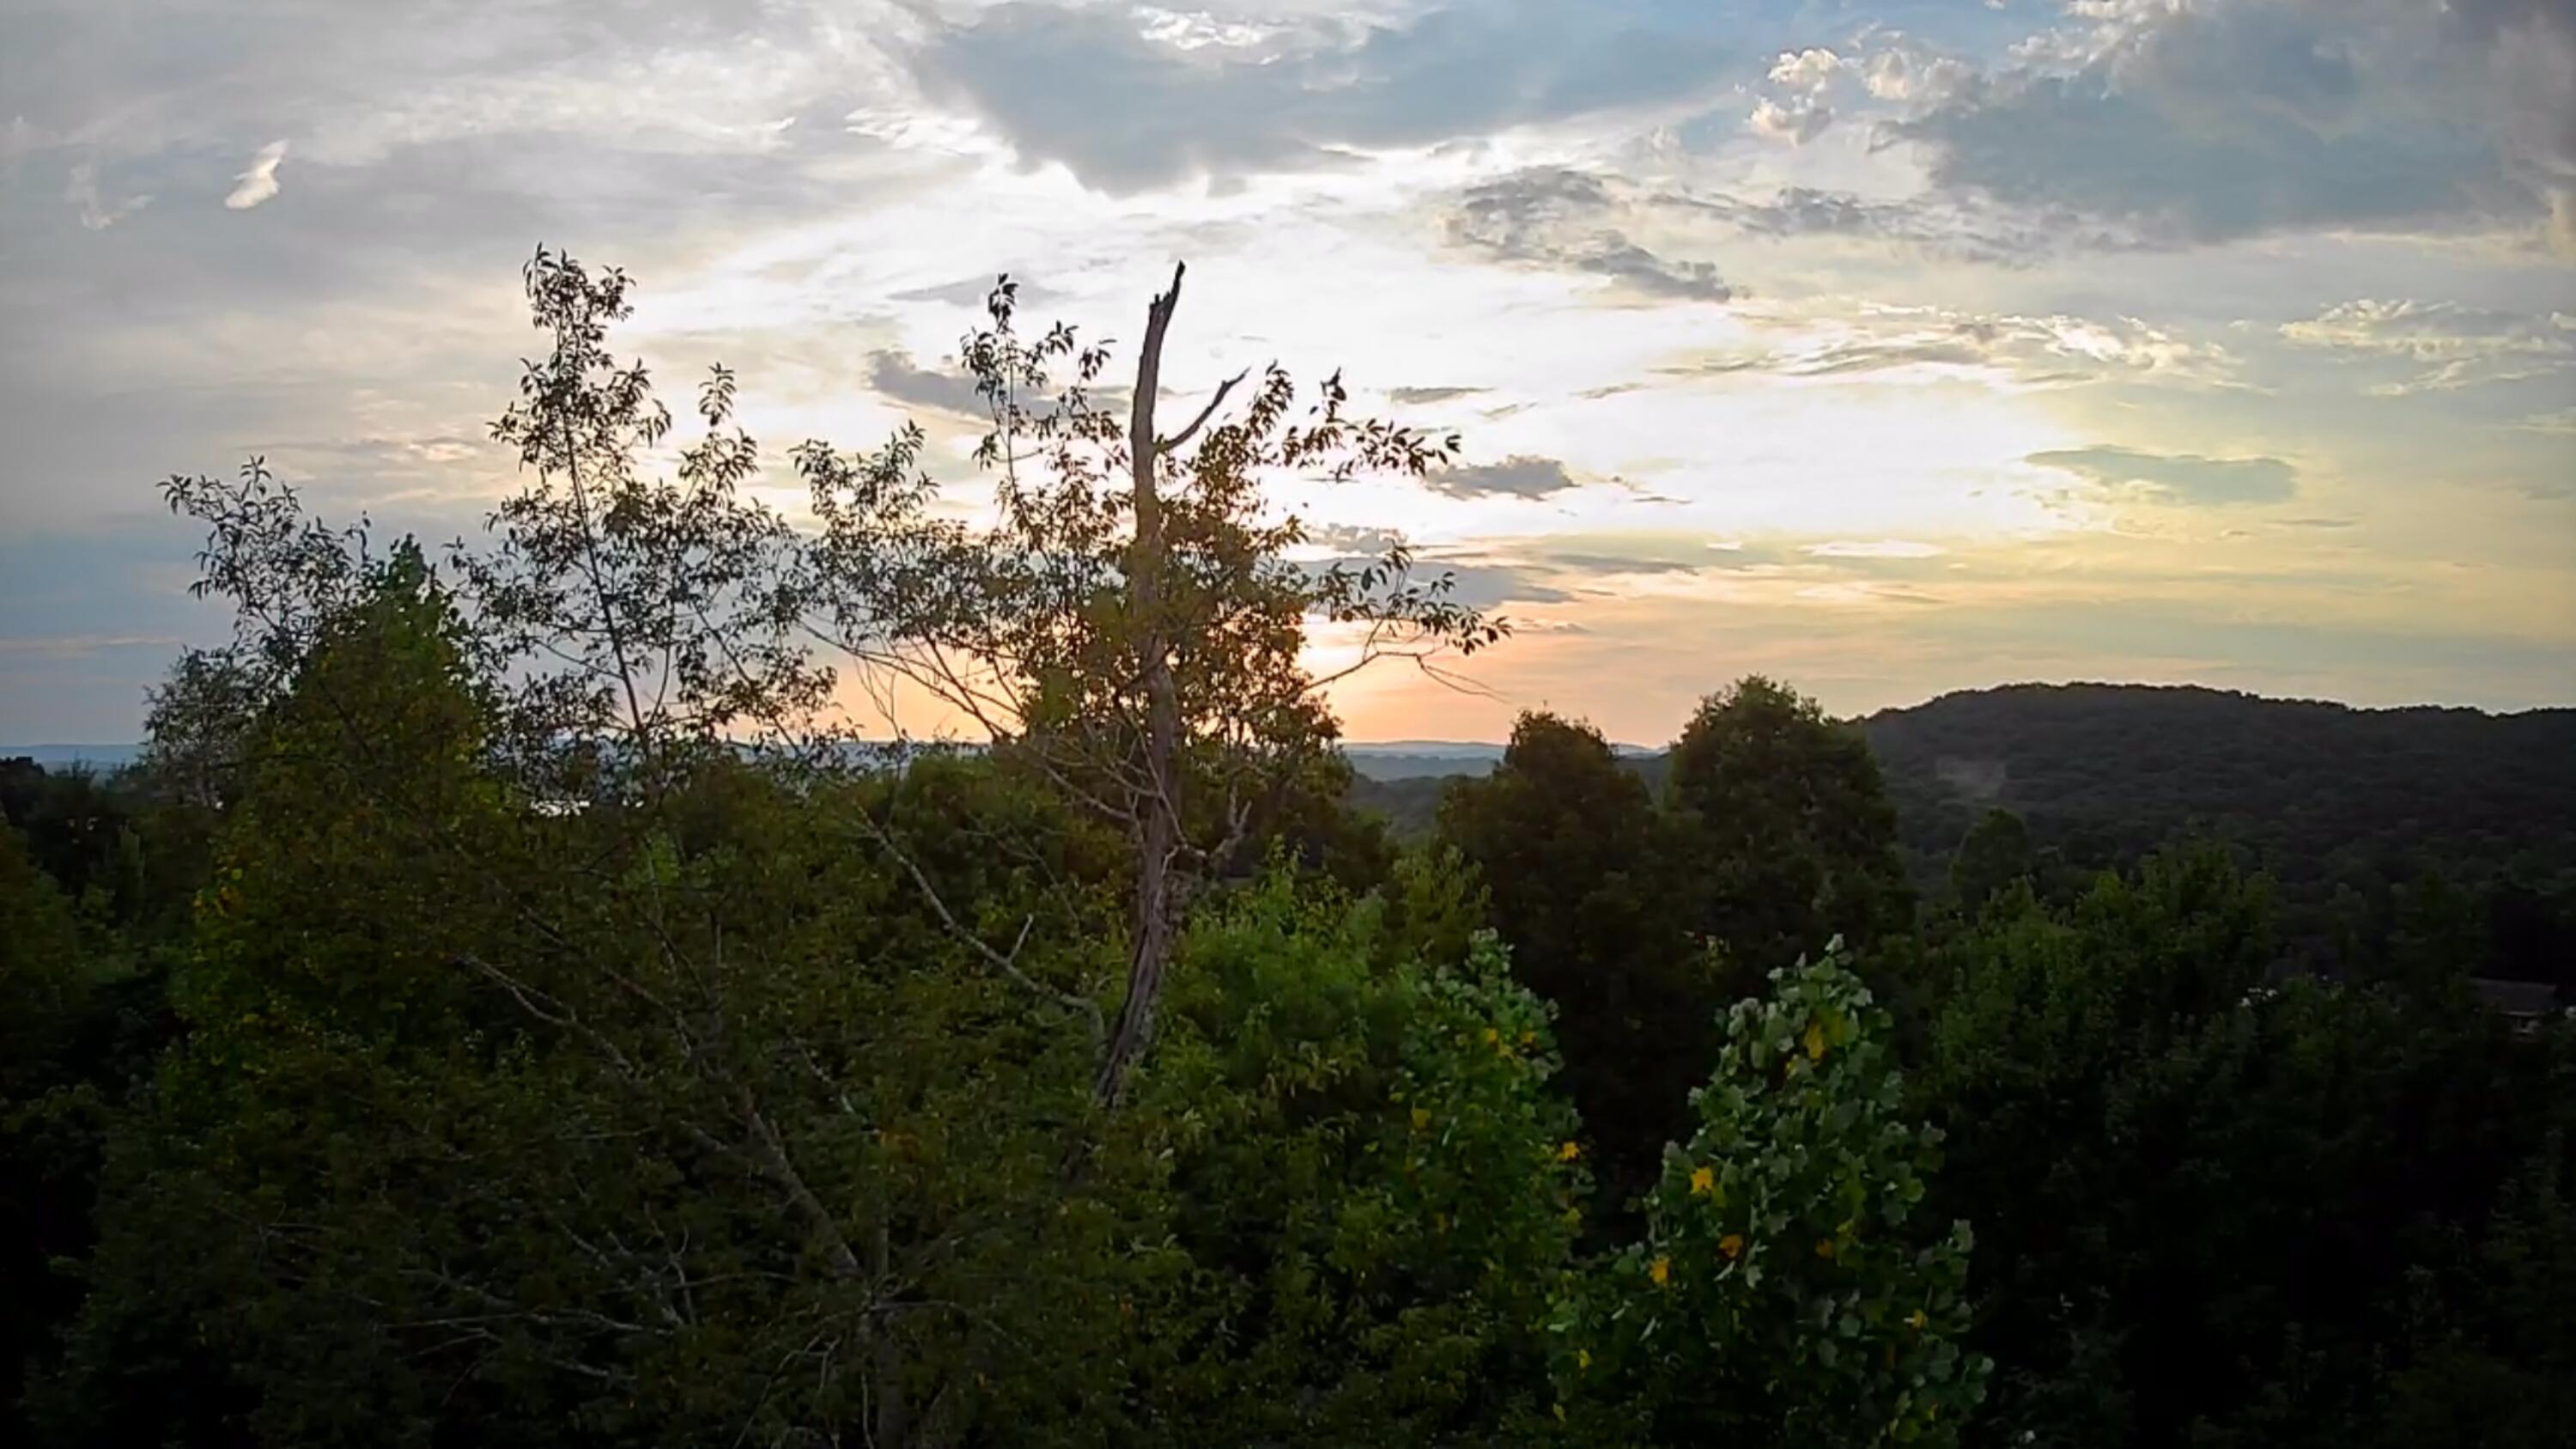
[(2028, 350), (2188, 478), (2453, 346), (1557, 217), (96, 214)]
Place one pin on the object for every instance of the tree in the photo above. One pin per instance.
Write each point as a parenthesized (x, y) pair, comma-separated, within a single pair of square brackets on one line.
[(1372, 1182), (754, 1126), (1994, 853), (1582, 887), (660, 1121), (1130, 628), (48, 1133), (2212, 1204), (1785, 832), (1786, 1290)]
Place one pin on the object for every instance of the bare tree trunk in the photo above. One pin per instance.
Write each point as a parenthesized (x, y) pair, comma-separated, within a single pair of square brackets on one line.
[(891, 1425), (1159, 830)]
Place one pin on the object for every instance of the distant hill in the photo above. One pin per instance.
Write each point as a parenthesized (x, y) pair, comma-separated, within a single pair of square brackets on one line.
[(1434, 759), (2316, 793), (63, 757)]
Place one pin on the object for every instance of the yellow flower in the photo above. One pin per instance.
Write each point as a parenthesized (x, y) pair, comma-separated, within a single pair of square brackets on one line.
[(1917, 1319), (1569, 1152), (1421, 1119), (1824, 1247), (1492, 1036), (1661, 1270), (1703, 1180), (1732, 1245), (1815, 1040), (1583, 1358), (1529, 1038)]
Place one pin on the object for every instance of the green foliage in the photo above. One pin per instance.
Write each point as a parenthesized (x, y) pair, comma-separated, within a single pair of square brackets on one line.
[(1784, 828), (1995, 853), (2324, 798), (45, 1001), (1583, 886), (624, 1127), (1787, 1290), (2203, 1200), (501, 1009), (1372, 1183)]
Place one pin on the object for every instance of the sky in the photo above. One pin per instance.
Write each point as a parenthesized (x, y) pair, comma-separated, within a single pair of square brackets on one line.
[(1886, 348)]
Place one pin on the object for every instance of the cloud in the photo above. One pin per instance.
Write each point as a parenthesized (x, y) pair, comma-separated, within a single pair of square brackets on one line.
[(2454, 346), (82, 193), (1565, 214), (259, 183), (1129, 108), (2054, 349), (1519, 476), (1875, 548), (1806, 70), (1417, 395), (1797, 123), (1476, 583), (894, 375), (2191, 123), (2178, 477), (1800, 113), (1556, 217), (1907, 72), (974, 291), (82, 646)]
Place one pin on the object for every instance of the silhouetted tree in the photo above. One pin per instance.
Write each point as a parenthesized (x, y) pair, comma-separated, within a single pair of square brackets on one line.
[(1570, 848), (1784, 835)]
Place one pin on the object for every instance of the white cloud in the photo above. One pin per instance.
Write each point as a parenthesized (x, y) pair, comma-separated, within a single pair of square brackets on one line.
[(82, 193), (1904, 72), (259, 183), (2456, 346), (1800, 113), (1806, 70), (2049, 350), (1797, 123), (1875, 548)]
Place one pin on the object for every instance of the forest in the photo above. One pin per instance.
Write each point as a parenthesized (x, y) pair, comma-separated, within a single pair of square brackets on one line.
[(509, 1003)]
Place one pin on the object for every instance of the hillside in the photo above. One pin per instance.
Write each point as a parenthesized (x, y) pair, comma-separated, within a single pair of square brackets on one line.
[(2317, 793)]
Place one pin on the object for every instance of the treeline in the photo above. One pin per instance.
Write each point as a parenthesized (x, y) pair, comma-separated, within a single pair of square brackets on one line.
[(2360, 818), (498, 1009)]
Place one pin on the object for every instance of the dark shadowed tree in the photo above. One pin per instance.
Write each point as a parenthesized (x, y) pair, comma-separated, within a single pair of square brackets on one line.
[(1569, 846), (1785, 836), (1994, 853)]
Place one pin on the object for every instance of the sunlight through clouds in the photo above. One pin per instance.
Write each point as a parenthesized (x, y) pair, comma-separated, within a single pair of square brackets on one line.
[(2040, 310)]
